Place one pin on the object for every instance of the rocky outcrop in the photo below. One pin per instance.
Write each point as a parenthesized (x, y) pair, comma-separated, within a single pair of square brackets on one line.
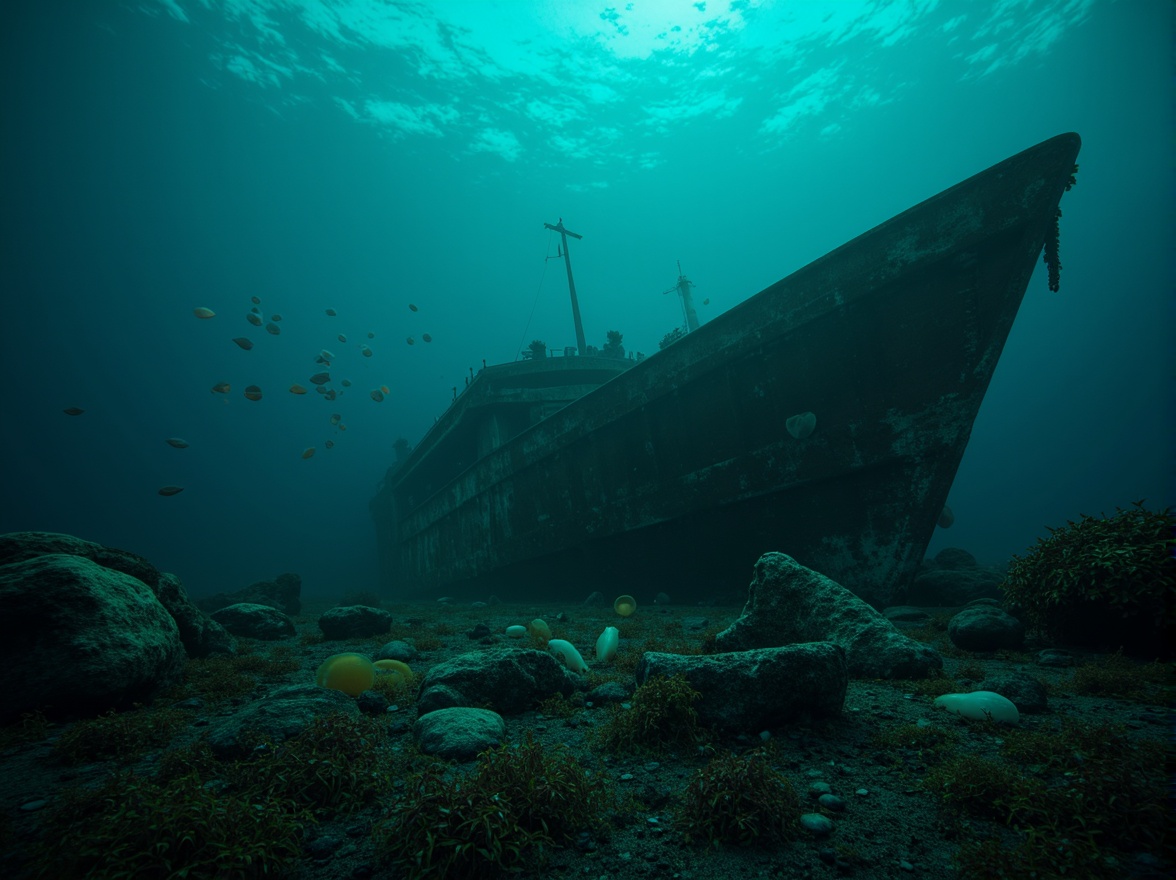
[(789, 604), (283, 714), (78, 638), (201, 636)]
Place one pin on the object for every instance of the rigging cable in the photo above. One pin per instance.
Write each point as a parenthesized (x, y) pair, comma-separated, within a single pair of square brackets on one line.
[(538, 290)]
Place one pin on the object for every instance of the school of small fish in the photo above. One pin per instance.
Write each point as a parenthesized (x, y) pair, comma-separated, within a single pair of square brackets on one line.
[(321, 381)]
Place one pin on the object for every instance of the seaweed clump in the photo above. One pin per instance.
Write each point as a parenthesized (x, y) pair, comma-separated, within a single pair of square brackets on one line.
[(739, 800), (1079, 801), (519, 802), (1104, 582), (661, 717), (1052, 256)]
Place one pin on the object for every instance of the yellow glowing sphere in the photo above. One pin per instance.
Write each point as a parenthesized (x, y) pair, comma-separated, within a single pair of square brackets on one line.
[(625, 605), (350, 673)]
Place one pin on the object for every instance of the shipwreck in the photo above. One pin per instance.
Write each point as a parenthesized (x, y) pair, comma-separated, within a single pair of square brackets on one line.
[(824, 417)]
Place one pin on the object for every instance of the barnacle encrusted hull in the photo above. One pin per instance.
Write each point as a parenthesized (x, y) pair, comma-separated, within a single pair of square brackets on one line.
[(556, 477)]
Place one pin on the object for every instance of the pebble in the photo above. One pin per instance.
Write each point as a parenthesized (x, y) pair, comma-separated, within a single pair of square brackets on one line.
[(817, 824), (831, 802)]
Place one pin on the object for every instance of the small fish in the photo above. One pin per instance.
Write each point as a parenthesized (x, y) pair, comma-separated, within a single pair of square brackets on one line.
[(384, 388), (365, 351), (342, 338), (411, 341), (203, 313), (297, 389), (342, 427), (377, 395), (275, 317), (171, 490), (256, 300), (320, 378), (255, 310), (308, 452), (326, 355), (706, 302), (253, 319), (243, 342), (425, 337), (321, 389), (177, 442), (329, 395), (412, 307), (371, 335), (346, 383), (336, 418), (329, 444), (253, 392), (273, 329), (221, 388), (73, 411), (331, 313)]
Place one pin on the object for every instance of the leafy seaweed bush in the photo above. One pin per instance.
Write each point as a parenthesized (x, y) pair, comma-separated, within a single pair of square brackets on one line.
[(739, 800), (1103, 582)]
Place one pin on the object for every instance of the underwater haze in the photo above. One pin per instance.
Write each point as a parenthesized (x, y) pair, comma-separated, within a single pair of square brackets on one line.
[(164, 156)]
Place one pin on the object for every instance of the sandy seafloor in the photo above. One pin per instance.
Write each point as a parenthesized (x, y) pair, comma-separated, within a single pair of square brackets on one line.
[(895, 829)]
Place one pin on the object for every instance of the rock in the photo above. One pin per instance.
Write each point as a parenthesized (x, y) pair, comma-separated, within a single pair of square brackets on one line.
[(1056, 658), (77, 638), (354, 621), (789, 604), (200, 635), (397, 650), (985, 628), (661, 599), (939, 587), (906, 616), (758, 688), (1025, 691), (284, 593), (610, 692), (509, 680), (283, 714), (956, 559), (255, 621), (695, 623), (460, 733)]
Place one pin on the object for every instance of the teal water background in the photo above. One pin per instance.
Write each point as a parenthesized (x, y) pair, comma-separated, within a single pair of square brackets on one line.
[(163, 156)]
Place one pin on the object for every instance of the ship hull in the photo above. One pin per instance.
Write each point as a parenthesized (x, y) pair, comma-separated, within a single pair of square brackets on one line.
[(677, 474)]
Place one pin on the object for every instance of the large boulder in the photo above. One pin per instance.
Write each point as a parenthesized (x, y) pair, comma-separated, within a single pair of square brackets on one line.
[(77, 638), (200, 634), (748, 691), (507, 680), (789, 604)]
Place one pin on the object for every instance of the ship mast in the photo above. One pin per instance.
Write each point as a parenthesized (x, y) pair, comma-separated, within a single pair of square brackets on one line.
[(564, 233)]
